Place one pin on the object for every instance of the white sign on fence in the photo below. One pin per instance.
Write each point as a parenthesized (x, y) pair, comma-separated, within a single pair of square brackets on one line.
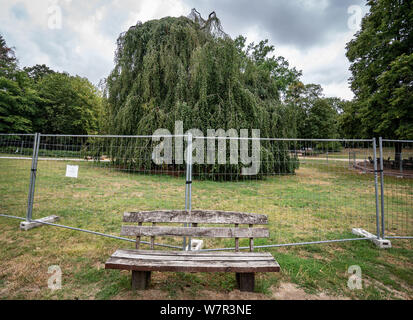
[(71, 171)]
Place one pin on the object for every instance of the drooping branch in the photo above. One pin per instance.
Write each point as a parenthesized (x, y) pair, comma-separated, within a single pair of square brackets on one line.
[(212, 25)]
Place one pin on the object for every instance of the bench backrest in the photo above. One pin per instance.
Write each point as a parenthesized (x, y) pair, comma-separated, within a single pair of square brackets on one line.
[(193, 218)]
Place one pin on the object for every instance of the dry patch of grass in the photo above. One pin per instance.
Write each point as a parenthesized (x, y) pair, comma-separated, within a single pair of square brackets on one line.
[(314, 177), (290, 291)]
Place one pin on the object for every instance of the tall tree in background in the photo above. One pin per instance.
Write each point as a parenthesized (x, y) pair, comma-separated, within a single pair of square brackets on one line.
[(187, 69), (71, 105), (316, 116), (8, 60), (19, 103), (321, 122), (18, 98), (381, 66), (349, 122), (38, 71), (38, 99)]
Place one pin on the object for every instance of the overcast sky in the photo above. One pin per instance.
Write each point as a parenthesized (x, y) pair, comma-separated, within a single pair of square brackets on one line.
[(310, 34)]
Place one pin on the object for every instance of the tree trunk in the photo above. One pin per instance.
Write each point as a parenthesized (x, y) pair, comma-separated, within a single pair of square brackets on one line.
[(397, 153)]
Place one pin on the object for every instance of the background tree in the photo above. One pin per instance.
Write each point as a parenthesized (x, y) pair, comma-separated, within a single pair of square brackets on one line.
[(71, 105), (38, 71), (321, 122), (301, 98), (380, 57), (19, 103), (8, 60), (349, 121), (38, 99), (18, 97), (177, 69)]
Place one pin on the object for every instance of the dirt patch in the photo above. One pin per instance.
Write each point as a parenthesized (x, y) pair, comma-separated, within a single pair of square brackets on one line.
[(286, 291), (154, 294), (290, 291), (401, 262), (393, 172), (233, 295), (391, 291)]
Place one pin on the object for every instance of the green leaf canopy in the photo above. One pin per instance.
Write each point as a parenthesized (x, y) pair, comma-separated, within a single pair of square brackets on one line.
[(176, 69)]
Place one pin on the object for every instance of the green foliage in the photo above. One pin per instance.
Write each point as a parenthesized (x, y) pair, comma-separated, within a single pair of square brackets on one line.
[(315, 115), (18, 103), (8, 61), (38, 71), (321, 121), (71, 104), (18, 99), (37, 99), (172, 69), (380, 56), (396, 89), (350, 120)]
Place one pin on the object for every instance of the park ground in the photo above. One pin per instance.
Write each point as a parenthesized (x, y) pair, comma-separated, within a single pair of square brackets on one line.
[(313, 204)]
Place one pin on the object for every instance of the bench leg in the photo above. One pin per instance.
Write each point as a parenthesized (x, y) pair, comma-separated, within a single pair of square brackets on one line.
[(245, 281), (140, 280), (237, 278)]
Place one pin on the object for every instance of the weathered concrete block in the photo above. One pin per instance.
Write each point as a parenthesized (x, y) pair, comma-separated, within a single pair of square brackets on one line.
[(27, 225), (381, 243)]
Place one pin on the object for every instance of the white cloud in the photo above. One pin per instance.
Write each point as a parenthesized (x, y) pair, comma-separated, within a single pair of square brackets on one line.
[(338, 89), (326, 65), (148, 9), (86, 43)]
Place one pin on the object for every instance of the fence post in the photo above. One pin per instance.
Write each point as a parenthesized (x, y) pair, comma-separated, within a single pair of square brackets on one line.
[(365, 164), (381, 185), (349, 159), (188, 185), (376, 189), (33, 172)]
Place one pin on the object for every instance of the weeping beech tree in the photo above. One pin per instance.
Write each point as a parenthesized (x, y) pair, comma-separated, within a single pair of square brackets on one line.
[(187, 69)]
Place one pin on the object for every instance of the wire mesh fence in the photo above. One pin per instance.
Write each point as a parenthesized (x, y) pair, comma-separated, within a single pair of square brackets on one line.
[(396, 160), (89, 181), (16, 152), (312, 190)]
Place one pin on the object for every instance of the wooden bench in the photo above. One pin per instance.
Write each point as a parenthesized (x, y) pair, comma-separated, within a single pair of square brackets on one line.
[(243, 264)]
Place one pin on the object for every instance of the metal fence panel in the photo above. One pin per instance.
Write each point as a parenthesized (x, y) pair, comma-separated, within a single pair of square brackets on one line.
[(89, 181), (396, 159), (312, 190), (16, 152)]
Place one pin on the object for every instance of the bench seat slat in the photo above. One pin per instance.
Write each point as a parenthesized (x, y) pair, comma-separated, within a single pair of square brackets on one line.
[(215, 254), (192, 266), (189, 258), (195, 216), (195, 232)]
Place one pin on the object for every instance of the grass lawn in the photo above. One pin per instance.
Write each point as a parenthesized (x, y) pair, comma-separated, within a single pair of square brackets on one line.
[(322, 201)]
